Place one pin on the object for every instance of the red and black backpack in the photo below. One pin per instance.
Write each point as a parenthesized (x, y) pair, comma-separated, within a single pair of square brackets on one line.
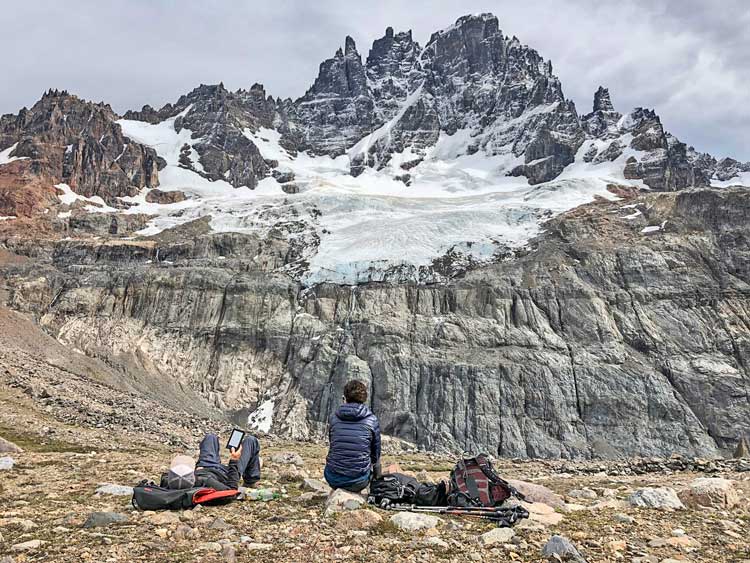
[(474, 482), (149, 496)]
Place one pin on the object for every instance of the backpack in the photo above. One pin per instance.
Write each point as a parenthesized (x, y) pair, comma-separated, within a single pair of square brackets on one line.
[(432, 495), (474, 482), (148, 496), (393, 488)]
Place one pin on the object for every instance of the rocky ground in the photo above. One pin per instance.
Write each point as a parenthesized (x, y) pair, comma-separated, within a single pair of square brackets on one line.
[(79, 433)]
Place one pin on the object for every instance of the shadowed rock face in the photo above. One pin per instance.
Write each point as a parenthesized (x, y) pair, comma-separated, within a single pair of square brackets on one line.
[(604, 341), (78, 143)]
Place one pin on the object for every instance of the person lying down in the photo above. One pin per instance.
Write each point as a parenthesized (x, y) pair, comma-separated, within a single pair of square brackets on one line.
[(208, 471)]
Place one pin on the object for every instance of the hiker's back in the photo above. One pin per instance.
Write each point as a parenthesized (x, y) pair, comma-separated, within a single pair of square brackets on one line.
[(354, 434)]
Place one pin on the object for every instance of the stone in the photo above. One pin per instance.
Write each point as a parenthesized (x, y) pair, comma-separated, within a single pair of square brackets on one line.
[(162, 532), (26, 546), (115, 490), (656, 497), (229, 554), (624, 519), (560, 548), (6, 463), (254, 546), (341, 500), (184, 532), (682, 541), (710, 491), (164, 518), (435, 542), (288, 458), (315, 486), (496, 536), (537, 493), (8, 447), (361, 519), (543, 513), (158, 196), (101, 519), (219, 524), (617, 545), (586, 494), (211, 546), (414, 521)]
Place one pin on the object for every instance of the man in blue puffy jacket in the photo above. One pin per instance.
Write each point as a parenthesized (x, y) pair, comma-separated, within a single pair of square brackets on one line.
[(354, 434)]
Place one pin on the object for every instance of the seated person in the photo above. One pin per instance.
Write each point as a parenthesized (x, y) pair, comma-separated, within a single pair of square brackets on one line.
[(354, 435), (210, 472)]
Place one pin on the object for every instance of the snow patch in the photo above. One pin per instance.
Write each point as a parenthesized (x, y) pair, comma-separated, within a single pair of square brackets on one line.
[(262, 418), (68, 197), (5, 157)]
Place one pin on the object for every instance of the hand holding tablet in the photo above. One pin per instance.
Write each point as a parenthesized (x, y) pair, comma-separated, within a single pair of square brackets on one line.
[(235, 440)]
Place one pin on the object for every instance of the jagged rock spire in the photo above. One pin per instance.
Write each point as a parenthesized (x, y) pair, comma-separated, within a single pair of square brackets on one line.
[(602, 100)]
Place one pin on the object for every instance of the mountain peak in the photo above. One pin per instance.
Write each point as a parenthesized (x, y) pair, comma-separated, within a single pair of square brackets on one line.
[(602, 100)]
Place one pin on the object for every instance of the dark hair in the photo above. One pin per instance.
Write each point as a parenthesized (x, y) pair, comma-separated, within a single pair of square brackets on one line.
[(355, 392)]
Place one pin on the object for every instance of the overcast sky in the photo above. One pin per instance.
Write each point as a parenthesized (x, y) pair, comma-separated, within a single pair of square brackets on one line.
[(688, 59)]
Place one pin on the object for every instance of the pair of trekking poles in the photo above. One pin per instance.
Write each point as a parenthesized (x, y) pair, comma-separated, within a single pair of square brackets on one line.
[(503, 517)]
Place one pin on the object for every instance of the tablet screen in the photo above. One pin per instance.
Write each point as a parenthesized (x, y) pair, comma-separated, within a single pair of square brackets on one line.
[(235, 439)]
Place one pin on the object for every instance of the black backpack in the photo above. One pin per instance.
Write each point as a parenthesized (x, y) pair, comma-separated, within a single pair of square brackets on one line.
[(432, 495), (149, 496), (474, 482), (393, 488)]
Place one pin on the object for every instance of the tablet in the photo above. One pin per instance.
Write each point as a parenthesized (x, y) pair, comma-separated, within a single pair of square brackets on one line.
[(236, 439)]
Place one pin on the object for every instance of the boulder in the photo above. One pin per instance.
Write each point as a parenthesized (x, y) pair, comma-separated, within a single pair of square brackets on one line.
[(543, 513), (8, 447), (560, 548), (160, 196), (100, 519), (414, 521), (315, 486), (656, 497), (115, 490), (537, 493), (586, 494), (496, 536), (710, 491), (27, 546), (340, 500), (361, 519)]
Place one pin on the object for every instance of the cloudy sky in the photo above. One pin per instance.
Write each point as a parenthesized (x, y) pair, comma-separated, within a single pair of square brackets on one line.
[(688, 59)]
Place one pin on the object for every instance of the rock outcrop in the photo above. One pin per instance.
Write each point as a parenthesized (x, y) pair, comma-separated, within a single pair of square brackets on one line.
[(68, 140), (571, 351)]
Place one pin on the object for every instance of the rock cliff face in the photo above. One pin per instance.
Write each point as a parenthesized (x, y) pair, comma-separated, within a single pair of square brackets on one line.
[(438, 221), (603, 341)]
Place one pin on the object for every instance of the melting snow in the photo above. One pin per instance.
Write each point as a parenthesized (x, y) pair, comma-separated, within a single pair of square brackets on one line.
[(5, 157), (262, 417), (69, 197), (373, 222), (742, 179), (7, 218)]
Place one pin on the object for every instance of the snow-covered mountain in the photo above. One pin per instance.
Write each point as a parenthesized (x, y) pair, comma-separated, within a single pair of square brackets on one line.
[(413, 164)]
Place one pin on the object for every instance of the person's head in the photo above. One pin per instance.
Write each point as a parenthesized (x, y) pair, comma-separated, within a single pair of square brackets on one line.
[(355, 392), (181, 473)]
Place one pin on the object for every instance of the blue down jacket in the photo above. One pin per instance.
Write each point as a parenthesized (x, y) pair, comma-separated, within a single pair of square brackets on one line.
[(354, 434)]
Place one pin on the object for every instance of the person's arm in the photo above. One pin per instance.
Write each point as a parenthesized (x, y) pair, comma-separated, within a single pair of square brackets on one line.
[(233, 469), (375, 444)]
